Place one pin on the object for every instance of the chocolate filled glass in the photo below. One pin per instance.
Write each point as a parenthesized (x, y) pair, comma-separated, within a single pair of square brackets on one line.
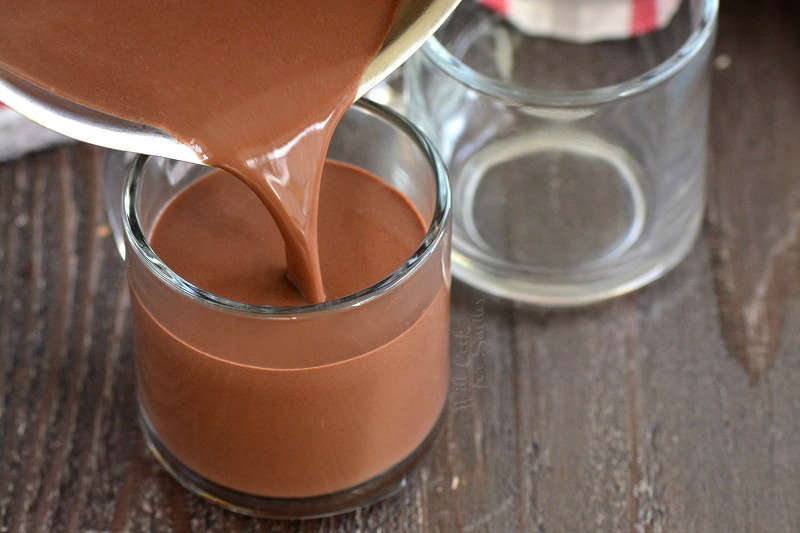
[(352, 387)]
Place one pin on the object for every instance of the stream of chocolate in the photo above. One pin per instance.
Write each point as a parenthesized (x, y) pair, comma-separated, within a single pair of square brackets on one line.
[(255, 87)]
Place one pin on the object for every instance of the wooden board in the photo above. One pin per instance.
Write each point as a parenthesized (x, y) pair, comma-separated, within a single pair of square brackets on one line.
[(673, 409)]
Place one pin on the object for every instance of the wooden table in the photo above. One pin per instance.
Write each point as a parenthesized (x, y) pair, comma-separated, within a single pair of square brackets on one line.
[(673, 409)]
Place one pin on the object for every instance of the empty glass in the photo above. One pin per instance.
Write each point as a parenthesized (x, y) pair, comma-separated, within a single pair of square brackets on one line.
[(577, 169)]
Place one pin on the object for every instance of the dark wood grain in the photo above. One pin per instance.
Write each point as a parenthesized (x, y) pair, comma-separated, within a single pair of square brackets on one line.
[(754, 205), (673, 409)]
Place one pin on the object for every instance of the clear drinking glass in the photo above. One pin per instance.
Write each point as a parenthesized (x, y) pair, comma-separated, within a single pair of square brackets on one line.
[(577, 169), (297, 416)]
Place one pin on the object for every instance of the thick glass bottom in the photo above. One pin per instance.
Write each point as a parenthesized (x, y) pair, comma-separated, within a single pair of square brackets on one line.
[(564, 218), (367, 493)]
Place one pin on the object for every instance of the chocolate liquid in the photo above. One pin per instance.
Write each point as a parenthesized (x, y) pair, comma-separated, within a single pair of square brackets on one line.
[(215, 235), (278, 417), (255, 87)]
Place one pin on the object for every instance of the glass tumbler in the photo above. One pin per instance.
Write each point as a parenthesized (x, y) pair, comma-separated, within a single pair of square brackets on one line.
[(577, 169), (293, 442)]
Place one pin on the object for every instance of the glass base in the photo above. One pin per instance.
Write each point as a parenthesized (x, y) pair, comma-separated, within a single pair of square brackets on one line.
[(367, 493), (563, 218)]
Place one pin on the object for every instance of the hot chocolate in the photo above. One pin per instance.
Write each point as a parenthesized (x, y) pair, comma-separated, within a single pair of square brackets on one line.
[(278, 416)]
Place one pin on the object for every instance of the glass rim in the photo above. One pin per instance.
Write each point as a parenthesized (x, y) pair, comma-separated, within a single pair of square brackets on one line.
[(440, 56), (434, 234)]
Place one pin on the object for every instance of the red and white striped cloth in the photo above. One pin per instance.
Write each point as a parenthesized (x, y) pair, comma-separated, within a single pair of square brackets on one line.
[(19, 135), (586, 20)]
